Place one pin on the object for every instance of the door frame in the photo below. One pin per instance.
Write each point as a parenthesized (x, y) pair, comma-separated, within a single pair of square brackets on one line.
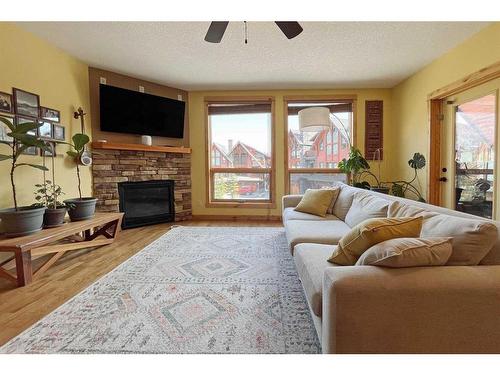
[(436, 116)]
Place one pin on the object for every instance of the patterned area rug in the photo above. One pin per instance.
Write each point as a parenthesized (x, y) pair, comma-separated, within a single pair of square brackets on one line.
[(194, 290)]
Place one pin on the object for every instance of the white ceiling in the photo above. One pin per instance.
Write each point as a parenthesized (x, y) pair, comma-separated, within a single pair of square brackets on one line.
[(325, 55)]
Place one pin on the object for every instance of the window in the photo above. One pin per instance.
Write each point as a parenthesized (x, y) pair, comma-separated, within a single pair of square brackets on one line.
[(242, 173), (313, 168)]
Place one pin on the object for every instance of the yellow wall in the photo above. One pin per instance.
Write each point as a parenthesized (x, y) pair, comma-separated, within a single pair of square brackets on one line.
[(409, 99), (31, 64), (197, 139)]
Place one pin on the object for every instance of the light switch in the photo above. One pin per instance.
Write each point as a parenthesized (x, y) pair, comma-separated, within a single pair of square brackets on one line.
[(179, 97), (141, 88), (102, 80)]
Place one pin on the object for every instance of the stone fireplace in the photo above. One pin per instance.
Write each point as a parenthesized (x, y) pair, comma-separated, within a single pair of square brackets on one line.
[(113, 166)]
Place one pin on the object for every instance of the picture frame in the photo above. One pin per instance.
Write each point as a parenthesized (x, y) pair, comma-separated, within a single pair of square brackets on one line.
[(45, 130), (4, 130), (48, 152), (6, 104), (26, 103), (58, 132), (23, 120), (33, 151), (49, 114)]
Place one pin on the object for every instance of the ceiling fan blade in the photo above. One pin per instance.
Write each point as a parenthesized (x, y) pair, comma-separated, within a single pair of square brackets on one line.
[(290, 29), (216, 31)]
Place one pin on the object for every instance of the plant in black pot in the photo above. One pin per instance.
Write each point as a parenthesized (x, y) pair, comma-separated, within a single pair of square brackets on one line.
[(20, 221), (401, 188), (357, 166), (80, 208), (48, 195)]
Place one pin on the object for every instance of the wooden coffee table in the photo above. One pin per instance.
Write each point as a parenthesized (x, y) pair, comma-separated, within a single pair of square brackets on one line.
[(101, 230)]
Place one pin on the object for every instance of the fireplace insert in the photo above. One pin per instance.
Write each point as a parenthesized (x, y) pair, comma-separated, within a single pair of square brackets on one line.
[(146, 202)]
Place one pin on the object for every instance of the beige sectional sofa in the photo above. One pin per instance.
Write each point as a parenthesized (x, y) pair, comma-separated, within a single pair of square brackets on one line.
[(369, 309)]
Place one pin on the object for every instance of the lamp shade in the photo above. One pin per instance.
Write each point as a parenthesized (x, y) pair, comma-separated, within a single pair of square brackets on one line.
[(314, 119)]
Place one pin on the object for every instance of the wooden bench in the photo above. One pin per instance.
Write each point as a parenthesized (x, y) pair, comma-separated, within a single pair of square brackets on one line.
[(98, 231)]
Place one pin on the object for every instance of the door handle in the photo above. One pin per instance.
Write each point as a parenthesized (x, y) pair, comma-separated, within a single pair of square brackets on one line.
[(443, 179)]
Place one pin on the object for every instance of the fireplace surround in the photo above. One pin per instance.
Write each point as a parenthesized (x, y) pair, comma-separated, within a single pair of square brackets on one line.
[(146, 202), (114, 166)]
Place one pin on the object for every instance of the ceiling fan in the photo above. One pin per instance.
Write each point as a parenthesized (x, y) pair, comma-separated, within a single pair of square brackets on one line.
[(217, 28)]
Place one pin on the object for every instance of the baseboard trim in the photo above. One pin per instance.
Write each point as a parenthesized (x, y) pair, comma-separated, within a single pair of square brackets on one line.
[(273, 218)]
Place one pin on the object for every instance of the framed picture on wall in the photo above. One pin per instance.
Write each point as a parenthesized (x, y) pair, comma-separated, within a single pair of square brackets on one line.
[(23, 120), (45, 130), (31, 151), (49, 152), (6, 102), (58, 132), (4, 130), (26, 103), (52, 115)]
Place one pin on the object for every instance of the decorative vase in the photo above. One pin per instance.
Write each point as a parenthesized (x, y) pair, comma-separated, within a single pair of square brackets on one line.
[(26, 220), (54, 217), (81, 209)]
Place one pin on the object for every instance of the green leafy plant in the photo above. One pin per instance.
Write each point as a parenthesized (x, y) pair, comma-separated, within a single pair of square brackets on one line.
[(400, 188), (48, 195), (357, 166), (79, 141), (21, 140)]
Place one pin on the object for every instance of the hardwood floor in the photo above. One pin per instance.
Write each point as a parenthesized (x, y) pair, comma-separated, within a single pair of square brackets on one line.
[(22, 307)]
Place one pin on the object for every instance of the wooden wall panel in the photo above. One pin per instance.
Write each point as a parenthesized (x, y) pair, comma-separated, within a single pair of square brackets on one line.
[(374, 113)]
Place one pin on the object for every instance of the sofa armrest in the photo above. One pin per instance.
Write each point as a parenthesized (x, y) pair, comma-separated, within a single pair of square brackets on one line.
[(368, 309), (291, 200)]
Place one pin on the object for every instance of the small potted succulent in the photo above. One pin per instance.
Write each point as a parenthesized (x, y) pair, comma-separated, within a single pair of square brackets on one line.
[(20, 221), (80, 208)]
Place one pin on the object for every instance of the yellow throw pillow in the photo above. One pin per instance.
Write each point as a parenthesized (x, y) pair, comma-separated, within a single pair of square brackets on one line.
[(316, 201), (371, 232)]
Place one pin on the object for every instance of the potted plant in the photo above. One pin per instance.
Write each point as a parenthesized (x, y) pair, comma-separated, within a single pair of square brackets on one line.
[(47, 195), (357, 166), (401, 187), (20, 221), (80, 208)]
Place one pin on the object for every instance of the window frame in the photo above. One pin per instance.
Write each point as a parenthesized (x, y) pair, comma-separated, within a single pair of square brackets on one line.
[(350, 99), (210, 201)]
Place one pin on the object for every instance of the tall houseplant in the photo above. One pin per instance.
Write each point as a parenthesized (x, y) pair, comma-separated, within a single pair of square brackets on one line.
[(357, 166), (19, 221), (80, 208), (402, 187)]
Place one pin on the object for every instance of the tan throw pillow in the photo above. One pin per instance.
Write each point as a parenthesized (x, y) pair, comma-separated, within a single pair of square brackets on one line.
[(344, 201), (366, 206), (408, 252), (316, 201), (471, 239), (371, 232), (336, 189)]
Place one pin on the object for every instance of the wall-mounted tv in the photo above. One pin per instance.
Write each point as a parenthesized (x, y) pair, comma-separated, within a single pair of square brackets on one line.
[(127, 111)]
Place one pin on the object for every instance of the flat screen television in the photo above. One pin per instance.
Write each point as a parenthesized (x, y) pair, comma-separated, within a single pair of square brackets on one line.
[(127, 111)]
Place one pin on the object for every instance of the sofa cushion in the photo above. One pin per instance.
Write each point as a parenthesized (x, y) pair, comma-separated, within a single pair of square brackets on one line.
[(326, 232), (371, 232), (407, 210), (311, 262), (336, 189), (408, 252), (472, 239), (344, 201), (290, 214), (366, 206), (316, 201)]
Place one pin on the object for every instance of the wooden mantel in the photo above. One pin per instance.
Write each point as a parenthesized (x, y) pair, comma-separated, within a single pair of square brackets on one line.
[(139, 147)]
